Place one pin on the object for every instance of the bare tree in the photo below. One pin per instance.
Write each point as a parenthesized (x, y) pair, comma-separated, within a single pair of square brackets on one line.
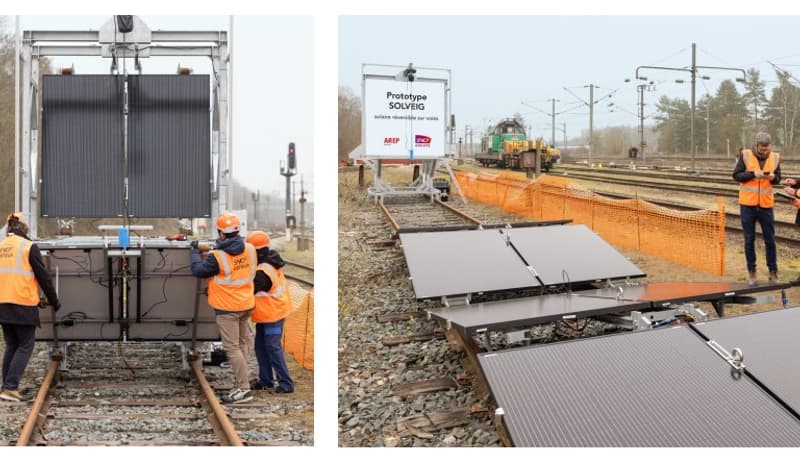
[(349, 121)]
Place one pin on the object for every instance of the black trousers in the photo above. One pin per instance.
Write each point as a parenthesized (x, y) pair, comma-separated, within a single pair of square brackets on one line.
[(19, 348)]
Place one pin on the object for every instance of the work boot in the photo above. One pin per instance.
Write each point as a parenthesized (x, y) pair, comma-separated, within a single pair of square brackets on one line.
[(11, 396), (773, 275), (238, 396), (283, 390), (752, 280), (257, 386)]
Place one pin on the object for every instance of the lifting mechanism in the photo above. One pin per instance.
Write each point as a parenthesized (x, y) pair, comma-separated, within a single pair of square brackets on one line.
[(128, 276)]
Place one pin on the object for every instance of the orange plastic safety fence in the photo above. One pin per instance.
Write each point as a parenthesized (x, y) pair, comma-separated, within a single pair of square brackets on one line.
[(298, 328), (691, 238)]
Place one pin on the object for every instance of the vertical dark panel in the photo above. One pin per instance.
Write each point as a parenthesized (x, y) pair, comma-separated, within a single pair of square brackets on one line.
[(81, 146), (169, 146)]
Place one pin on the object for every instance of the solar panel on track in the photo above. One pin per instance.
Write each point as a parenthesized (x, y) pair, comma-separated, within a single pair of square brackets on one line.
[(768, 342), (475, 261), (571, 253), (663, 388), (462, 262), (506, 314)]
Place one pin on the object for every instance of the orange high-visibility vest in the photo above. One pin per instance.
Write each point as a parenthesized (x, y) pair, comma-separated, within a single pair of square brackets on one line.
[(17, 282), (232, 288), (276, 304), (758, 192)]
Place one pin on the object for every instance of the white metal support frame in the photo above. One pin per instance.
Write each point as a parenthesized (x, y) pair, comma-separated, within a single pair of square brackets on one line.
[(106, 43)]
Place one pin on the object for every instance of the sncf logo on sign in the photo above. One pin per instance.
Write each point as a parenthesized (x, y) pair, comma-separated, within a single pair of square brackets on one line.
[(422, 141), (390, 140)]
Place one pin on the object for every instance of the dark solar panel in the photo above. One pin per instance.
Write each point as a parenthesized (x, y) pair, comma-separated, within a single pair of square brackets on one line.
[(82, 146), (170, 146), (681, 292), (528, 311), (768, 342), (571, 252), (661, 388), (500, 315), (461, 262)]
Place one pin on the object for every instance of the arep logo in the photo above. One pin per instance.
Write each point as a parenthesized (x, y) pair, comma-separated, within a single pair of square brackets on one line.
[(422, 141), (390, 140)]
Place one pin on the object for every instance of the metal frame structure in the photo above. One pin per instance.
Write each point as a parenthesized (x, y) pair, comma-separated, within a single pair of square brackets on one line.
[(424, 184), (109, 43)]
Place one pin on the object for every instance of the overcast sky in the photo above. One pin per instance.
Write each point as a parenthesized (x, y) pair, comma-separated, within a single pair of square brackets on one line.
[(272, 86), (498, 62)]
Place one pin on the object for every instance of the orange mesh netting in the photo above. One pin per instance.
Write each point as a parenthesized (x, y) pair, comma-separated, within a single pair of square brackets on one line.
[(694, 239), (298, 328)]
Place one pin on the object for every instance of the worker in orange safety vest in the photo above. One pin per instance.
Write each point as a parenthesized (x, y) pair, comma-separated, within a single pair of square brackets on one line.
[(756, 171), (22, 273), (230, 268), (273, 305)]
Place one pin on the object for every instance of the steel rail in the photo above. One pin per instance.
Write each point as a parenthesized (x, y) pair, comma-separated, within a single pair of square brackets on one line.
[(392, 221), (729, 192), (729, 217), (228, 432), (38, 404), (301, 280), (457, 212), (296, 264)]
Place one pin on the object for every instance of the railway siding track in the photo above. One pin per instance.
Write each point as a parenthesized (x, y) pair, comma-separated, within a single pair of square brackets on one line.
[(398, 377), (143, 394), (400, 381), (785, 232), (94, 400), (412, 213), (302, 273), (403, 380)]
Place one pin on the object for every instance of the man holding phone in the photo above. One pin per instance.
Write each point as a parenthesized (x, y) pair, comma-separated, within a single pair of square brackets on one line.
[(756, 171)]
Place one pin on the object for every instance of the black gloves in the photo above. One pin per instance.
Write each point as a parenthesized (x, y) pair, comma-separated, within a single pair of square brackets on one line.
[(56, 307)]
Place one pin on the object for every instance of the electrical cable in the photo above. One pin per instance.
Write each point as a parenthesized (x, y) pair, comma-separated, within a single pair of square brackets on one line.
[(683, 50), (163, 291), (705, 52), (88, 271), (176, 335)]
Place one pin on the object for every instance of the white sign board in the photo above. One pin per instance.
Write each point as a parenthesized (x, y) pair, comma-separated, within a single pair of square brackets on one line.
[(404, 119)]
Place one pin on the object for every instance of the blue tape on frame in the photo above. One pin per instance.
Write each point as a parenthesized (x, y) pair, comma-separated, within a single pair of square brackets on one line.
[(124, 237)]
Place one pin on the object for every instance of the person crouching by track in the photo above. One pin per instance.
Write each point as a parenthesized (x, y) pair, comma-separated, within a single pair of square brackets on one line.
[(231, 268), (22, 273), (756, 171), (273, 305)]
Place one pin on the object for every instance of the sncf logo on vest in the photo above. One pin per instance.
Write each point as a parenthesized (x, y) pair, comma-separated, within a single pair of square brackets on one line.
[(240, 263)]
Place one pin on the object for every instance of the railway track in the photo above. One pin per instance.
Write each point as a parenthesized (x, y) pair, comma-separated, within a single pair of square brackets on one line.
[(400, 382), (302, 273), (785, 232), (700, 186), (137, 394), (403, 380), (419, 214)]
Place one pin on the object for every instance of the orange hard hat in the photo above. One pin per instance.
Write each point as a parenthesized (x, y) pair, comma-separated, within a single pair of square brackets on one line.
[(227, 223), (259, 239), (19, 216)]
